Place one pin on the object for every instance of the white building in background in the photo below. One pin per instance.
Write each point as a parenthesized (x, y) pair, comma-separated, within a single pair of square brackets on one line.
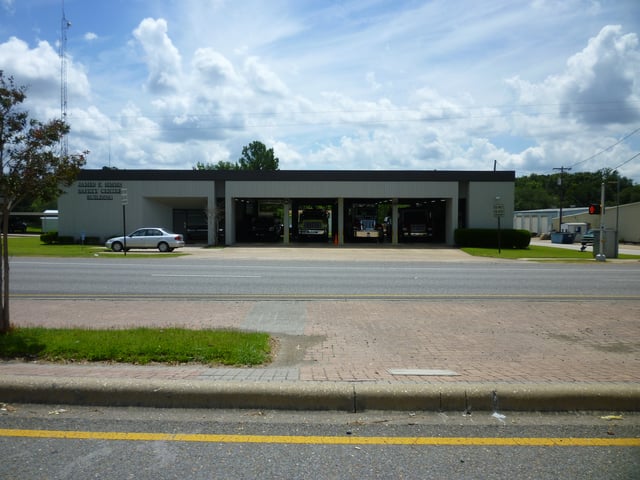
[(544, 220), (625, 219), (49, 221)]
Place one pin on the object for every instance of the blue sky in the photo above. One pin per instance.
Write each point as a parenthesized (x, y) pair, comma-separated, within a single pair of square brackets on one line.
[(363, 84)]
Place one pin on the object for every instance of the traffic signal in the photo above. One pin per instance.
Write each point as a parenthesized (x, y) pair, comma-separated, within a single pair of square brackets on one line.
[(594, 209)]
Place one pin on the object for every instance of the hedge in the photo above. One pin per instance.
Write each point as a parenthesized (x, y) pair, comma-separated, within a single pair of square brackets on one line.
[(488, 238), (50, 238)]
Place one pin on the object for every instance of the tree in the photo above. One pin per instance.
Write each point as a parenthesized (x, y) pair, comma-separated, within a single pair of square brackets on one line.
[(255, 156), (580, 189), (221, 165), (30, 164)]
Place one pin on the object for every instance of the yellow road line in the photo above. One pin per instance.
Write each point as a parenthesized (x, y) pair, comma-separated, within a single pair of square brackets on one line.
[(327, 440)]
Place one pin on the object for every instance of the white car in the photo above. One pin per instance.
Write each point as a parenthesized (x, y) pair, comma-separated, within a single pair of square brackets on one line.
[(155, 237)]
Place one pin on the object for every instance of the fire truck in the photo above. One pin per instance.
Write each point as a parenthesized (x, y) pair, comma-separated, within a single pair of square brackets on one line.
[(415, 225), (313, 225), (365, 223)]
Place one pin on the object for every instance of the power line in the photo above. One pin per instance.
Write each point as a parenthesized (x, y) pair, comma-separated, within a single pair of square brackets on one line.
[(608, 148), (627, 161)]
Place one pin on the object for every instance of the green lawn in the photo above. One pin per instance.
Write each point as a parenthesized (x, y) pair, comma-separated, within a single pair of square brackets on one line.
[(138, 346), (539, 252), (31, 246)]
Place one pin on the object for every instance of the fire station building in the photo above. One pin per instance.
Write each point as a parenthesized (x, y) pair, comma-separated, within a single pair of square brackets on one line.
[(287, 206)]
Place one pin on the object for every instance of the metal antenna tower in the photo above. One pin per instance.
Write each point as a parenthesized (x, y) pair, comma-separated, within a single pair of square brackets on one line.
[(64, 26)]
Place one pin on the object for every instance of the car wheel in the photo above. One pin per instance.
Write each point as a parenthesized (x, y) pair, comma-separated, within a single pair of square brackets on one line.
[(163, 247), (116, 247)]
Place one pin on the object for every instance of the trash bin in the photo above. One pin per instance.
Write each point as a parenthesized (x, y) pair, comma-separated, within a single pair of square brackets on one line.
[(562, 237), (610, 245)]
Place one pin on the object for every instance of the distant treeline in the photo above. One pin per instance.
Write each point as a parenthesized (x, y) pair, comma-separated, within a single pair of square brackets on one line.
[(577, 190)]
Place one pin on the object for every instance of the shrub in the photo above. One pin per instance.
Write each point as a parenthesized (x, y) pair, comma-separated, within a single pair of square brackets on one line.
[(488, 238), (65, 240), (49, 238)]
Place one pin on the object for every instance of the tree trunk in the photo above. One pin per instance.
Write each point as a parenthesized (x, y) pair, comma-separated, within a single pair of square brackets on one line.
[(5, 323)]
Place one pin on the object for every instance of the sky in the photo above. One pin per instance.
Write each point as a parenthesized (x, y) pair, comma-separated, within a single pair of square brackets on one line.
[(530, 86)]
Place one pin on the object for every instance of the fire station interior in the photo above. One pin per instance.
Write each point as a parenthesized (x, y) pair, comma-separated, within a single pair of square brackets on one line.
[(313, 220)]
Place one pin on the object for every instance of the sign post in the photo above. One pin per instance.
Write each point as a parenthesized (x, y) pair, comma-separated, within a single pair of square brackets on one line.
[(125, 201), (498, 212)]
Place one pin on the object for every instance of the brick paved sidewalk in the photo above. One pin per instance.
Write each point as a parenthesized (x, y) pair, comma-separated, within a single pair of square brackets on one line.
[(375, 341)]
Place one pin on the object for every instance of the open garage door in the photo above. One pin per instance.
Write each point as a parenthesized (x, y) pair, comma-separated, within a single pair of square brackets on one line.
[(422, 221), (314, 220), (365, 220)]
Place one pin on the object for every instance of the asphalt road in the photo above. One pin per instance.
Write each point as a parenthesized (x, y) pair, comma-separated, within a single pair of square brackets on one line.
[(259, 279), (80, 442)]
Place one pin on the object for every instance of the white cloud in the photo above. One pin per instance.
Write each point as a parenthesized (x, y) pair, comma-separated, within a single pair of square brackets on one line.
[(161, 56), (40, 65), (213, 68), (90, 36), (39, 70), (262, 79), (601, 84)]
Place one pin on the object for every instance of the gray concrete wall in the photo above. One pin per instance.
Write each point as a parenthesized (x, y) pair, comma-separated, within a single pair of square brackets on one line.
[(481, 200), (342, 189), (95, 208)]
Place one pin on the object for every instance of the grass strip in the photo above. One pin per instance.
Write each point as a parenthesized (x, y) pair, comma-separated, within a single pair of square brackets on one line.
[(535, 251), (138, 346), (32, 246)]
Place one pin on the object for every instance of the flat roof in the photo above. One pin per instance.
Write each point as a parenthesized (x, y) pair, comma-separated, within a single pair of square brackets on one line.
[(300, 175)]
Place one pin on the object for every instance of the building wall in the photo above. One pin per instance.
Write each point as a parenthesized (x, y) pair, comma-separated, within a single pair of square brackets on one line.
[(481, 200), (538, 223), (94, 208), (327, 189), (628, 221)]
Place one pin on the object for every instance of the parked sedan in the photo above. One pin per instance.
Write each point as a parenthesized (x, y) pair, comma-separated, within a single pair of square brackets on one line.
[(159, 238)]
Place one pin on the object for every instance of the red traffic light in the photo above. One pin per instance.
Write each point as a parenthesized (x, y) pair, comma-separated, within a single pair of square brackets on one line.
[(594, 209)]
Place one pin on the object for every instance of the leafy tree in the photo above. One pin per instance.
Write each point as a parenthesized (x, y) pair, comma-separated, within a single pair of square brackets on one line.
[(30, 165), (255, 156), (221, 165), (578, 189), (534, 192), (629, 194)]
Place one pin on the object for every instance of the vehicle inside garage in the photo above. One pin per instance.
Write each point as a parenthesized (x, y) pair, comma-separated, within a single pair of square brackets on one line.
[(317, 220)]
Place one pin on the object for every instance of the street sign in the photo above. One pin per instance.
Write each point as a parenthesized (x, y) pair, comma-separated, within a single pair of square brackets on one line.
[(498, 210), (124, 195)]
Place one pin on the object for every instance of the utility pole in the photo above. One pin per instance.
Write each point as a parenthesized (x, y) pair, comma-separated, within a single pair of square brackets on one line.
[(562, 170), (601, 257)]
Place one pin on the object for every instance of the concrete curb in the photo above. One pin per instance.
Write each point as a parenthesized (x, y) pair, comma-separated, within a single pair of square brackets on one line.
[(338, 396)]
